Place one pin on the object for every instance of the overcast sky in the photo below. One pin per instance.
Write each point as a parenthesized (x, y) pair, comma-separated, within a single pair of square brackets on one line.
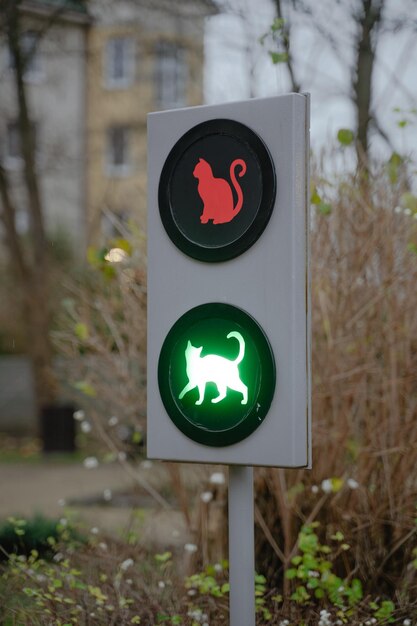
[(238, 67)]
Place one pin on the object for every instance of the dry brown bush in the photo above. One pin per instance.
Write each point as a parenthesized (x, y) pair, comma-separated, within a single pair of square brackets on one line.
[(364, 383)]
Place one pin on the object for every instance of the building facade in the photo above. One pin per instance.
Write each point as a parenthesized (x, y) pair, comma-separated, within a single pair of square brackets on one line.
[(143, 56)]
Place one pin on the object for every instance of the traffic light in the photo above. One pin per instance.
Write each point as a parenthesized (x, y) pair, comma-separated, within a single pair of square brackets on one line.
[(228, 293)]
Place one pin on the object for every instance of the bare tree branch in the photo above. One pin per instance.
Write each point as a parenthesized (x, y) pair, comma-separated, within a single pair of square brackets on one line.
[(8, 216), (286, 40)]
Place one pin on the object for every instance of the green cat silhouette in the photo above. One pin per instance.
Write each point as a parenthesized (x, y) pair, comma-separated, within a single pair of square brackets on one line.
[(222, 372)]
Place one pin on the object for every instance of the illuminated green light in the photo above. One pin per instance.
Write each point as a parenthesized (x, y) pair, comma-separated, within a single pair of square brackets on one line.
[(216, 374), (223, 372)]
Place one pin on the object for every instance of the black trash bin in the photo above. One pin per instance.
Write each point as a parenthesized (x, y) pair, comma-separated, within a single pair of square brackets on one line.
[(58, 428)]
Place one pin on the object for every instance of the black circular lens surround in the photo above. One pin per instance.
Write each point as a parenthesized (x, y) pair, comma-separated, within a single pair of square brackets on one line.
[(202, 334), (217, 190)]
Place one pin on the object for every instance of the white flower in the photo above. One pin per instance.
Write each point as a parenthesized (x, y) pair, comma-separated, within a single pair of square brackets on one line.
[(126, 564), (192, 592), (352, 483), (90, 462), (94, 530), (407, 622), (284, 622), (107, 495), (327, 486), (146, 464), (113, 420), (314, 489), (129, 581), (63, 521), (218, 567), (102, 545), (78, 415), (397, 209), (197, 615), (86, 427), (58, 557), (161, 584), (407, 211), (61, 502), (313, 574), (122, 456), (206, 496), (217, 478), (190, 547)]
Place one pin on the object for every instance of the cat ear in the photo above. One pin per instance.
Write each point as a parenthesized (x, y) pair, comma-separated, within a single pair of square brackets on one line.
[(189, 344), (199, 349)]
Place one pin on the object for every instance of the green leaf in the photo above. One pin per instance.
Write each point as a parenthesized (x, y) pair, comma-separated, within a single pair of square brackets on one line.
[(81, 331), (86, 388), (315, 198), (291, 573), (337, 484), (96, 256), (403, 123), (345, 136), (394, 163), (409, 201), (324, 208), (277, 24), (137, 437), (278, 57), (260, 579), (163, 558), (385, 611)]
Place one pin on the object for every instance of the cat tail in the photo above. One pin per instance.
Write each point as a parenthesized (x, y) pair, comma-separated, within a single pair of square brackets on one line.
[(236, 185), (241, 341)]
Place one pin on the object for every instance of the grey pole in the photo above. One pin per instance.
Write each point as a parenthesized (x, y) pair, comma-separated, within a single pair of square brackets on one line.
[(241, 546)]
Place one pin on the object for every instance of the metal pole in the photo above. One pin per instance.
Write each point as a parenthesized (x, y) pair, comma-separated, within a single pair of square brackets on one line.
[(241, 546)]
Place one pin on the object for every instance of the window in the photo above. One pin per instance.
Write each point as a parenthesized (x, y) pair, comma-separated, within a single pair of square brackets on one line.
[(32, 62), (170, 75), (118, 162), (119, 64)]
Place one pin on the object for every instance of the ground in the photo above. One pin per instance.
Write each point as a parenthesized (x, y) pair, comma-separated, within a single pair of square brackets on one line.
[(56, 488)]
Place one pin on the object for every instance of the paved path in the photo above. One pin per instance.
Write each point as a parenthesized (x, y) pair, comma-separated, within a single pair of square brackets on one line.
[(48, 488)]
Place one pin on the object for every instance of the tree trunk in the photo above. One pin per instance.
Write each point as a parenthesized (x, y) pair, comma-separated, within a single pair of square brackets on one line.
[(33, 272), (362, 83)]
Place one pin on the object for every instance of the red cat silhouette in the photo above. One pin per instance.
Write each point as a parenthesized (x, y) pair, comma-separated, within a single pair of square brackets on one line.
[(216, 193)]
